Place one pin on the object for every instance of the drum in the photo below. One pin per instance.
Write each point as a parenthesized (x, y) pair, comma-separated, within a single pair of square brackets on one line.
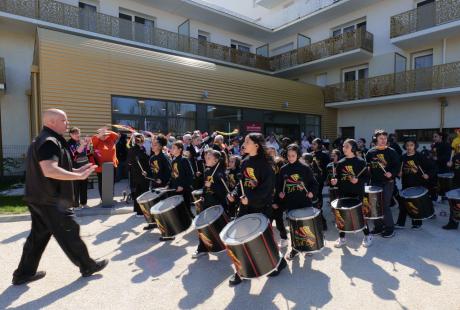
[(373, 202), (251, 246), (166, 192), (454, 202), (209, 224), (197, 194), (333, 193), (146, 201), (171, 216), (417, 202), (306, 229), (348, 213), (445, 182)]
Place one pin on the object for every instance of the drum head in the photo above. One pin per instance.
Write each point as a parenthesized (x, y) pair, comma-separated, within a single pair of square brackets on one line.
[(197, 192), (413, 192), (447, 175), (208, 216), (373, 189), (147, 196), (345, 203), (167, 204), (244, 229), (453, 194), (303, 214)]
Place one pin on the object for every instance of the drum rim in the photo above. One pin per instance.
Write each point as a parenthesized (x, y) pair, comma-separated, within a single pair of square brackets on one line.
[(358, 205), (451, 191), (373, 192), (160, 190), (147, 192), (197, 190), (317, 212), (446, 175), (207, 224), (229, 224), (413, 197), (152, 211), (351, 231)]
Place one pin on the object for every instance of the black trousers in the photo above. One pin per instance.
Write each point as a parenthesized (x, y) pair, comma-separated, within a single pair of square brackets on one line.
[(50, 221), (277, 215), (81, 192), (139, 189)]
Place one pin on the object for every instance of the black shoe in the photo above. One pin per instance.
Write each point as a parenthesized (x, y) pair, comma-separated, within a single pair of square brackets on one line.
[(416, 227), (450, 226), (167, 238), (235, 279), (388, 234), (292, 254), (26, 279), (98, 267), (281, 266), (150, 226), (376, 231)]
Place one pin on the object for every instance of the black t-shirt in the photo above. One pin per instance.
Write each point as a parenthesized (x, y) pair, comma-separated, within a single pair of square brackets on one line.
[(49, 151)]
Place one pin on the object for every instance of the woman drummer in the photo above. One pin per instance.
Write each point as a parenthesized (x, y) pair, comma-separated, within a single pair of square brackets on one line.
[(455, 165), (256, 187), (415, 171), (233, 172), (214, 189), (351, 176), (295, 186)]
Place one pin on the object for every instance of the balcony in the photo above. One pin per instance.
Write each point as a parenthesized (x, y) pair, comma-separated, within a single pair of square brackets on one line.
[(2, 76), (434, 21), (349, 46), (436, 81), (71, 16)]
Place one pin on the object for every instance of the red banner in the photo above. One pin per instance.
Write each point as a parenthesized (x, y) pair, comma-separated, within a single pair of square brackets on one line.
[(253, 127)]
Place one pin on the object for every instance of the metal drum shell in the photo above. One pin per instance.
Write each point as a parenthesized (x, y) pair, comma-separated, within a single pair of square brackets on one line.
[(146, 203), (445, 182), (209, 233), (175, 219), (306, 232), (349, 220), (373, 203), (418, 207), (454, 202)]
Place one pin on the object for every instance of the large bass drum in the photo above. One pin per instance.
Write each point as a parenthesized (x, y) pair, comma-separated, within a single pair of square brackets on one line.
[(454, 202), (171, 216), (348, 215), (417, 202), (306, 229), (209, 223), (251, 246)]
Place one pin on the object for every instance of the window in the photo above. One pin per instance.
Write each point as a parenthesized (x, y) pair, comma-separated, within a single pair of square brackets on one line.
[(422, 59), (240, 46), (219, 113), (135, 26), (424, 135), (283, 48), (354, 74), (303, 41), (176, 109), (203, 36), (361, 25), (400, 63), (87, 16), (313, 124)]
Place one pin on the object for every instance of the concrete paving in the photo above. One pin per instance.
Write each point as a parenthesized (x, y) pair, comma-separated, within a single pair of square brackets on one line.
[(414, 270)]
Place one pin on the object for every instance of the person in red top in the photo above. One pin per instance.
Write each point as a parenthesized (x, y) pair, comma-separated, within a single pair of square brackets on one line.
[(104, 151)]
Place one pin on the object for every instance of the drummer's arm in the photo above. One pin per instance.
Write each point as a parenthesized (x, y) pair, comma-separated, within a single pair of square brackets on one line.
[(311, 183), (394, 164)]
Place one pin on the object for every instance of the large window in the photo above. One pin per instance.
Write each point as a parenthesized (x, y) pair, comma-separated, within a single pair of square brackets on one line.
[(221, 118)]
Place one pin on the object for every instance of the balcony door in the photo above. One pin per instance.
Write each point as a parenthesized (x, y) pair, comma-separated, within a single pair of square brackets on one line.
[(426, 14), (422, 63), (354, 81), (87, 16)]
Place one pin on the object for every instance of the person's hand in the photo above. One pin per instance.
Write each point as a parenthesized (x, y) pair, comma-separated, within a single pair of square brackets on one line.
[(144, 173), (179, 189), (282, 195), (310, 195), (354, 180), (426, 176), (158, 181), (230, 198), (388, 175), (334, 181), (449, 163), (244, 200), (83, 168), (198, 173), (275, 206), (207, 184), (83, 175)]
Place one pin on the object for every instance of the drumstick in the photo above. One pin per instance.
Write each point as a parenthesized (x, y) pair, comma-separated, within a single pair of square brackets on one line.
[(381, 166), (215, 169), (361, 172), (225, 185), (421, 170), (333, 171), (140, 166), (303, 186), (242, 188), (284, 184)]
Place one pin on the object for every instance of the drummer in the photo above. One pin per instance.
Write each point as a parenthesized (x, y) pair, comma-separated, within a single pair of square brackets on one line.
[(319, 166), (351, 176), (277, 212), (181, 176), (384, 165), (138, 165), (233, 172), (455, 164), (196, 151), (255, 190), (331, 168), (415, 171), (160, 166), (214, 190), (295, 186)]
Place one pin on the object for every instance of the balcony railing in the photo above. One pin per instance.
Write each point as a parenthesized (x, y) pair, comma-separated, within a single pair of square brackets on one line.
[(426, 16), (75, 17), (2, 76), (332, 46), (424, 79)]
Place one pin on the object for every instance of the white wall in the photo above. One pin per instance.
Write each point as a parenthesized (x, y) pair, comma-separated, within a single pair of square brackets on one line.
[(17, 49)]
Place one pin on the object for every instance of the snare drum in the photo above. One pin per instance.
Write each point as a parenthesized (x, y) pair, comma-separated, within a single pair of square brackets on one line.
[(251, 246), (454, 202), (209, 224), (306, 229), (373, 202), (197, 195), (171, 216), (348, 213), (146, 201), (445, 182), (417, 203)]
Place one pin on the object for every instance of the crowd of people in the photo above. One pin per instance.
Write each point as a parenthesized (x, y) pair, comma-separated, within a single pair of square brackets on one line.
[(246, 175)]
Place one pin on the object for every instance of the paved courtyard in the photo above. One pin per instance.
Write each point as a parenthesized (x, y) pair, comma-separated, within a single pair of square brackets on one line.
[(414, 270)]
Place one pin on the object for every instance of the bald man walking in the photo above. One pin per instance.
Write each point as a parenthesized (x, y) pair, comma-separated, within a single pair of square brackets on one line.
[(49, 196)]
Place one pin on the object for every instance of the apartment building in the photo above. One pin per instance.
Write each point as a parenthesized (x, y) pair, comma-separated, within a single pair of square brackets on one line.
[(285, 66)]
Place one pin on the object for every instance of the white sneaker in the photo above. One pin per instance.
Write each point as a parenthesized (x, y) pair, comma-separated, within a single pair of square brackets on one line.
[(139, 215), (367, 241), (340, 243), (197, 254), (283, 243)]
